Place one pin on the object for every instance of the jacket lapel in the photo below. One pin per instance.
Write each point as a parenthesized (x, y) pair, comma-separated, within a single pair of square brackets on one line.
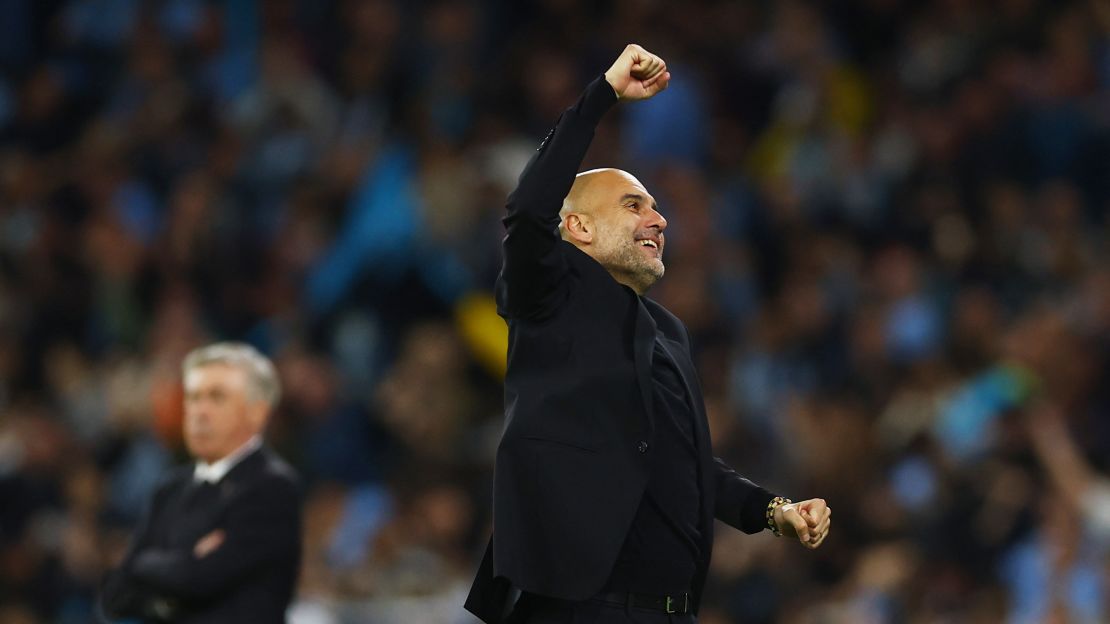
[(643, 350), (681, 357), (704, 443)]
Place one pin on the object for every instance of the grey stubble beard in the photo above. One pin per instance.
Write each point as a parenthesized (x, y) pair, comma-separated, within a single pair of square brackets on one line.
[(628, 261)]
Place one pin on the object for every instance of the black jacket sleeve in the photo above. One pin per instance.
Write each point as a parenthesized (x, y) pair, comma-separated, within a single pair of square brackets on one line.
[(740, 503), (122, 595), (261, 528), (532, 281)]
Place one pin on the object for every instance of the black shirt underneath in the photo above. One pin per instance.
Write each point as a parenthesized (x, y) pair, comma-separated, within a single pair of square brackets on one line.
[(660, 554)]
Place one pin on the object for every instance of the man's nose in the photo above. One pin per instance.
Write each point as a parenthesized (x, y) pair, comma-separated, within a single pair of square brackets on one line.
[(197, 412), (656, 220)]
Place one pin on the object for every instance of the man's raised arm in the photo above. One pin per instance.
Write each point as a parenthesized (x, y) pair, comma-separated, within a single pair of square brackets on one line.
[(531, 279)]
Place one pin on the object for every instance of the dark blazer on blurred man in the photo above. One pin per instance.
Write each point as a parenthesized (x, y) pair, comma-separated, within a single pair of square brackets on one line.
[(221, 539)]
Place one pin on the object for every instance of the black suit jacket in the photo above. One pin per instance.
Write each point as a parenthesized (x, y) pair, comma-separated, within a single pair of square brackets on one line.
[(249, 578), (573, 461)]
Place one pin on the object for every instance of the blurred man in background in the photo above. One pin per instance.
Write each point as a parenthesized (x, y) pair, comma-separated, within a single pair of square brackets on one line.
[(221, 541), (606, 487)]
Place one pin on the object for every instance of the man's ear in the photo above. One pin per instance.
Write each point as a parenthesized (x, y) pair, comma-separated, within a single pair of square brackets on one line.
[(579, 229)]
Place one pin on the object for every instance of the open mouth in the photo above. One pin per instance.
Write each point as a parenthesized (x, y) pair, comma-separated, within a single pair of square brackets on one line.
[(655, 246)]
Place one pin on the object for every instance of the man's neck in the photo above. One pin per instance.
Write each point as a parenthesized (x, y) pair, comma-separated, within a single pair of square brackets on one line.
[(216, 470), (625, 279)]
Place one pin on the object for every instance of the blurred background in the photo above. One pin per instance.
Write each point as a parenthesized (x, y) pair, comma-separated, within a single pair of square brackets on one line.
[(889, 224)]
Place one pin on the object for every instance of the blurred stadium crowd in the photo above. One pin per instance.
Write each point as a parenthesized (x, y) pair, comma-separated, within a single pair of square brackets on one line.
[(889, 238)]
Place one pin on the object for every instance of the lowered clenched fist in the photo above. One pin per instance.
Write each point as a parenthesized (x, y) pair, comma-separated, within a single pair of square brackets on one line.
[(637, 74), (808, 520)]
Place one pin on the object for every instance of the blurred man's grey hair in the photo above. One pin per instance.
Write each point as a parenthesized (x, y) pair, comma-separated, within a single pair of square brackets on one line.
[(262, 379)]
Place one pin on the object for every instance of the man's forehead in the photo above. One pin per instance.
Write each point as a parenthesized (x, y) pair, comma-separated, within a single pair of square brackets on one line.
[(615, 184)]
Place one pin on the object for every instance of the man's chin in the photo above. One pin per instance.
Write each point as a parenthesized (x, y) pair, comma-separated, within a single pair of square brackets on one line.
[(653, 274)]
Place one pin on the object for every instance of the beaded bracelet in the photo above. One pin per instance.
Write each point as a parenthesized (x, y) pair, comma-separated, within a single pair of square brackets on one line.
[(775, 503)]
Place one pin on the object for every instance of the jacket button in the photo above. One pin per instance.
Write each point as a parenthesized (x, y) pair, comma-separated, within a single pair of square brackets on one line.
[(642, 446)]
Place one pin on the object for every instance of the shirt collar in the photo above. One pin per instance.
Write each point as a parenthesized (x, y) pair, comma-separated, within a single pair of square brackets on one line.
[(212, 473)]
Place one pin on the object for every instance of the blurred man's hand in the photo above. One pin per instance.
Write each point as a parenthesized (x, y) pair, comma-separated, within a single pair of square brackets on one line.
[(208, 543), (637, 74), (808, 520)]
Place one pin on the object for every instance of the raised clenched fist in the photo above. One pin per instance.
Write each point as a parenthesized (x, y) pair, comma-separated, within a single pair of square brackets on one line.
[(637, 74)]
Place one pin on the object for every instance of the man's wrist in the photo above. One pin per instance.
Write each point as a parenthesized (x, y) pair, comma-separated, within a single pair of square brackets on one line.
[(598, 99), (772, 508), (608, 81)]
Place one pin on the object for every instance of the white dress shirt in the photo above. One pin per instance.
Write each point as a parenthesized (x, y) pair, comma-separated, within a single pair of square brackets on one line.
[(215, 471)]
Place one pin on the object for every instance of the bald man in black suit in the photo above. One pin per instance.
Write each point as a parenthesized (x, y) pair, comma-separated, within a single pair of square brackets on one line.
[(605, 486)]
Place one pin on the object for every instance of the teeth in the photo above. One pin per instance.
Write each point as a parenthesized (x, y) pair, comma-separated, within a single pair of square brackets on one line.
[(649, 243)]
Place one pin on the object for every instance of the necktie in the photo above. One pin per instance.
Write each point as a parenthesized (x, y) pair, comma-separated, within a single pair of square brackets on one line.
[(201, 493)]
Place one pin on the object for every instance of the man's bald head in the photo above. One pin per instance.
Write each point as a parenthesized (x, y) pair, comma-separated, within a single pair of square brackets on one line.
[(610, 216), (592, 189)]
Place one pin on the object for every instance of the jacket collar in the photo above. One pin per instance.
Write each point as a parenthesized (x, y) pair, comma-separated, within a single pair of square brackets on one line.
[(217, 470)]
